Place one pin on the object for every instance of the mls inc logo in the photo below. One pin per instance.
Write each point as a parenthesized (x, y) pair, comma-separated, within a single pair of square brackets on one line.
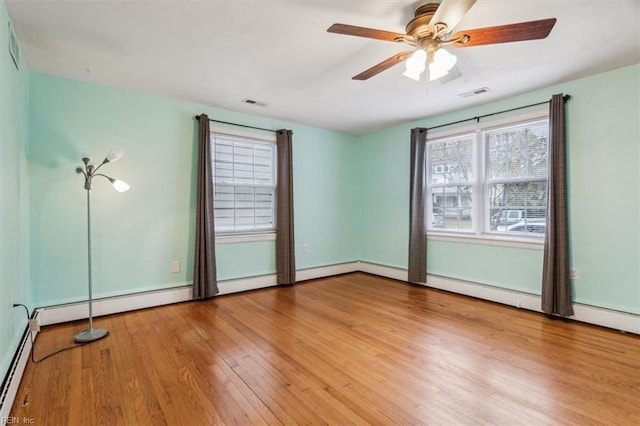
[(17, 421)]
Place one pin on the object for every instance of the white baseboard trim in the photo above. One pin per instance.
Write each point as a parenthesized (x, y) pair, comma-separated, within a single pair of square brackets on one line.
[(246, 284), (130, 302), (610, 318), (617, 320), (271, 280), (14, 375), (327, 271), (113, 305), (384, 271), (590, 314)]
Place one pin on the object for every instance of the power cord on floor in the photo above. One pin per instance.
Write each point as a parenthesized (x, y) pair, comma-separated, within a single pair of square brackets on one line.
[(33, 341)]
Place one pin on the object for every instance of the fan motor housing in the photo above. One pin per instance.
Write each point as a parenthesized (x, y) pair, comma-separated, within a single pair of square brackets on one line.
[(419, 26)]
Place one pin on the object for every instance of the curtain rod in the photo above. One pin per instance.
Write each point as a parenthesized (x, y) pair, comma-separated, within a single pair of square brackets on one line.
[(240, 125), (477, 118)]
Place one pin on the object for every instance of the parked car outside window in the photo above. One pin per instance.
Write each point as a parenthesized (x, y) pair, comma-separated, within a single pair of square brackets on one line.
[(509, 217), (535, 226)]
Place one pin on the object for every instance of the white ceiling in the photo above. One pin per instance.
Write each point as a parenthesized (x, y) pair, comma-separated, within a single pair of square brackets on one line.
[(278, 52)]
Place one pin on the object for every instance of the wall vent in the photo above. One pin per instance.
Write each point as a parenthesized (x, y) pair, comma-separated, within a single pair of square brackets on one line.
[(474, 92), (254, 102)]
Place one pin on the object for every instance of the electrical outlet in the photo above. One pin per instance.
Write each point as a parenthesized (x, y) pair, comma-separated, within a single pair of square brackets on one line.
[(305, 248), (34, 325), (574, 274), (175, 266)]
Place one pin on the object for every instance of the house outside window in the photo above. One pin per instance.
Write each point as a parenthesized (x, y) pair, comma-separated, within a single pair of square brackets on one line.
[(451, 181), (490, 180), (244, 176)]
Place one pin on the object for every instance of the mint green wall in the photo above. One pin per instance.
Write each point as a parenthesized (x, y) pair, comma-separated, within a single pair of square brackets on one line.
[(137, 234), (506, 267), (351, 195), (383, 202), (604, 183), (14, 213)]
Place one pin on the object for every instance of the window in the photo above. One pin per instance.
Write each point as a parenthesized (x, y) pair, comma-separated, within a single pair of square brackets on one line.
[(516, 177), (491, 180), (451, 181), (244, 180)]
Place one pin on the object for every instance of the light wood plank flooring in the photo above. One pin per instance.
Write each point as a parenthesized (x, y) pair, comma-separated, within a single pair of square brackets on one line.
[(351, 349)]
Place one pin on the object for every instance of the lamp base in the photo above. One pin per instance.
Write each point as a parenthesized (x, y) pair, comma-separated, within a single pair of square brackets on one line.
[(90, 335)]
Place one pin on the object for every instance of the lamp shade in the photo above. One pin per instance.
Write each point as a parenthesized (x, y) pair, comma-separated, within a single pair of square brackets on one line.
[(113, 155), (120, 186)]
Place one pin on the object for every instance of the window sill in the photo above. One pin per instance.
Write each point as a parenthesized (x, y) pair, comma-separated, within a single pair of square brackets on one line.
[(245, 238), (530, 243)]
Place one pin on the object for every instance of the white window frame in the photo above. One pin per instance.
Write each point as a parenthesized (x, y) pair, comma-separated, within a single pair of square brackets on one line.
[(480, 232), (238, 236)]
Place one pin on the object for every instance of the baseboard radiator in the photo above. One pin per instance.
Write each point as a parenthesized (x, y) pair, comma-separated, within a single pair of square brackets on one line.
[(12, 379)]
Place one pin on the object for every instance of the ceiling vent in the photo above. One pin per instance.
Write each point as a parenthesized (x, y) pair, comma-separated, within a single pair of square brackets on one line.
[(475, 92), (253, 102)]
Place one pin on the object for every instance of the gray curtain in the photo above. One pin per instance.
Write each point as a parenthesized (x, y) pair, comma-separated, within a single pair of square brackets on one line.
[(205, 283), (285, 241), (556, 279), (417, 233)]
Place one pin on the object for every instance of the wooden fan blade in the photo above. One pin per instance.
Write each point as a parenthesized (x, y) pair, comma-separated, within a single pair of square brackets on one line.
[(367, 32), (532, 30), (382, 66), (451, 12)]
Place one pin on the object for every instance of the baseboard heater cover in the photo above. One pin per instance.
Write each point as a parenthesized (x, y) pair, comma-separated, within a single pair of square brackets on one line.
[(117, 304), (603, 317), (12, 379), (623, 321)]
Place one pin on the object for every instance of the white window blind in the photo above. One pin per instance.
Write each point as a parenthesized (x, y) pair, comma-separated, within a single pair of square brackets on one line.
[(516, 177), (244, 180)]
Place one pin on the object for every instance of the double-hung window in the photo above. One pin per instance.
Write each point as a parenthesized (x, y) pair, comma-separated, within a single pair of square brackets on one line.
[(451, 166), (489, 180), (516, 177), (244, 175)]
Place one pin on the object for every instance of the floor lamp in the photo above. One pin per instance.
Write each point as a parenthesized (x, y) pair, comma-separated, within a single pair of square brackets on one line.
[(89, 172)]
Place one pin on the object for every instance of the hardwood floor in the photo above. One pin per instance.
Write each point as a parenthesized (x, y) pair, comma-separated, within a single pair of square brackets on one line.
[(352, 349)]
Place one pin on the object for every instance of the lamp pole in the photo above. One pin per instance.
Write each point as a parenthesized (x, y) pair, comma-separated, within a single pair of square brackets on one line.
[(89, 171)]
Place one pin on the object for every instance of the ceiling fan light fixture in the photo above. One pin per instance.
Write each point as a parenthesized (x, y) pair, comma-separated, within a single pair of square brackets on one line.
[(431, 28), (442, 62), (416, 64), (414, 75)]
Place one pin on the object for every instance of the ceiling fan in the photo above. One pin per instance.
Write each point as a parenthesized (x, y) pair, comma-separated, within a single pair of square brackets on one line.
[(431, 29)]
